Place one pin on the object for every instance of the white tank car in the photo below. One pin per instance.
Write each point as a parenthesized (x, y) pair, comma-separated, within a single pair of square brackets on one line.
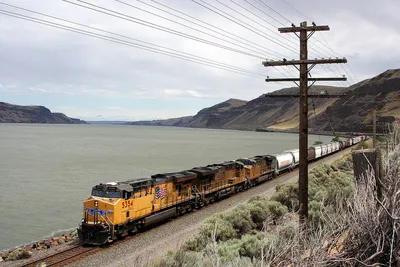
[(283, 162), (296, 155)]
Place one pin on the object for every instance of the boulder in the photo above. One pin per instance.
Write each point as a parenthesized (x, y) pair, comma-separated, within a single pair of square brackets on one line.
[(47, 243), (18, 254), (67, 237)]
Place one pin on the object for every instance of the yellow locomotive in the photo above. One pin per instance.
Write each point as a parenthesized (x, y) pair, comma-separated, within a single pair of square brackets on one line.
[(116, 209)]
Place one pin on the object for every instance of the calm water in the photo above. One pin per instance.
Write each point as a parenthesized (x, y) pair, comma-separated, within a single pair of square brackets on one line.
[(46, 171)]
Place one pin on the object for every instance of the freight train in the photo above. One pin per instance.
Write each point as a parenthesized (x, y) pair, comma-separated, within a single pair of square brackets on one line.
[(116, 209)]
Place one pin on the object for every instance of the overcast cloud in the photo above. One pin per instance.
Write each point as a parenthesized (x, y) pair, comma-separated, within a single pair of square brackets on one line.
[(95, 79)]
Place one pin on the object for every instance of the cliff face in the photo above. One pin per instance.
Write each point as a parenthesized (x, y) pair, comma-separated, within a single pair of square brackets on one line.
[(354, 111), (33, 114), (203, 119)]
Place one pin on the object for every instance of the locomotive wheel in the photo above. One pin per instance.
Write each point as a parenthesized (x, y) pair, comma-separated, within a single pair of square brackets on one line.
[(189, 208)]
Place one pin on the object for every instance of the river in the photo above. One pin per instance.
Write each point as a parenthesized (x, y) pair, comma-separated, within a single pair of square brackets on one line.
[(47, 171)]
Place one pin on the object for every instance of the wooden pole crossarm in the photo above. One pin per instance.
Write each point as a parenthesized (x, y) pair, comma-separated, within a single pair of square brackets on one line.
[(307, 61), (309, 79), (307, 28)]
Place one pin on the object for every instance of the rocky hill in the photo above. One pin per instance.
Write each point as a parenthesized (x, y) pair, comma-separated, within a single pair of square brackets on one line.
[(200, 120), (33, 114), (353, 112)]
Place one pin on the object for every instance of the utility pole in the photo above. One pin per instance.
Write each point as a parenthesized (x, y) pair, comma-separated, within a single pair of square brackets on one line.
[(304, 70)]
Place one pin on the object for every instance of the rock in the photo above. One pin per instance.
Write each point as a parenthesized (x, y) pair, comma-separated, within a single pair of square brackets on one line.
[(42, 264), (18, 254), (61, 241), (1, 259), (36, 245), (4, 254), (47, 243), (68, 237)]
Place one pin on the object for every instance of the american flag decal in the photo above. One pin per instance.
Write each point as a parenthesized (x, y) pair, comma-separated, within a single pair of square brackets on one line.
[(160, 192)]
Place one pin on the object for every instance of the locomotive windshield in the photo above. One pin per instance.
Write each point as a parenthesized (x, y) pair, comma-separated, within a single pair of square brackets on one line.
[(106, 194)]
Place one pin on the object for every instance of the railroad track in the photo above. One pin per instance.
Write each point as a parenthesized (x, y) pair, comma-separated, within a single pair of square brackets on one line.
[(63, 257)]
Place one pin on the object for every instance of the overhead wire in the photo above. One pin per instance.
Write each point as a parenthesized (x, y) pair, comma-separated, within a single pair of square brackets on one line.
[(312, 49), (279, 14), (208, 27), (326, 45), (275, 32), (120, 15), (189, 27), (273, 10), (237, 21), (192, 58)]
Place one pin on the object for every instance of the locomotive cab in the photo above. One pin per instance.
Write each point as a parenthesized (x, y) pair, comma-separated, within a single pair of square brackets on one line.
[(98, 222)]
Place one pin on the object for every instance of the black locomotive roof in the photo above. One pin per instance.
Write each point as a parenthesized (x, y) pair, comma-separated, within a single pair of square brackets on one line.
[(228, 164), (174, 176), (205, 170), (113, 186), (246, 161)]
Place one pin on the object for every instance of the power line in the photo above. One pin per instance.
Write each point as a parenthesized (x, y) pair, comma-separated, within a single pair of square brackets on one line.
[(211, 25), (240, 23), (262, 20), (264, 13), (194, 59), (273, 10), (259, 16), (184, 25), (327, 44), (237, 39), (128, 37), (159, 27)]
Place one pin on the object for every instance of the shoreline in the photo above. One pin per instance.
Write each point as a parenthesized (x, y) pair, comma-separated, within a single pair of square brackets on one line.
[(35, 249)]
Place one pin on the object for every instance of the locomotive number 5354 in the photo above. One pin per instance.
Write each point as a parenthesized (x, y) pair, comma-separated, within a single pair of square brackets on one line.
[(127, 204)]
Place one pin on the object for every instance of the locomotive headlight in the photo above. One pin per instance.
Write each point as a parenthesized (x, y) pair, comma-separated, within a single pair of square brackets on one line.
[(95, 203)]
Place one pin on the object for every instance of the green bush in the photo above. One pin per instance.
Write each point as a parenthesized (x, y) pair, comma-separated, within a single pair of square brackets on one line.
[(240, 219), (229, 250), (287, 194), (251, 245), (259, 213), (217, 224)]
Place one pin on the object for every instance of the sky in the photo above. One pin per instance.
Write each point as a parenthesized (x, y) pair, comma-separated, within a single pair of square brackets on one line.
[(95, 79)]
